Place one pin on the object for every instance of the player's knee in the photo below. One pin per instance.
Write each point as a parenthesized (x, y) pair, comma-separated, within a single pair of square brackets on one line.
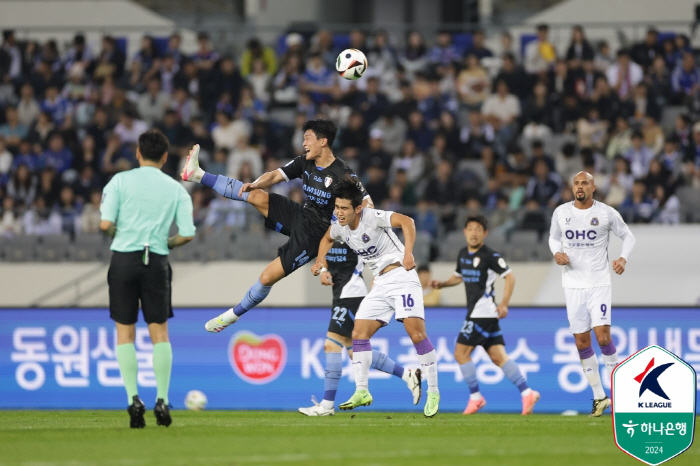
[(268, 278), (499, 360), (604, 340), (417, 335)]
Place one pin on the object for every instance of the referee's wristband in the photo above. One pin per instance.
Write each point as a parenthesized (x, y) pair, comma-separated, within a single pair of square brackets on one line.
[(323, 269)]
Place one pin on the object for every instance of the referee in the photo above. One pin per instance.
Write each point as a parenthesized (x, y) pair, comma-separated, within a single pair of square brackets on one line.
[(138, 207)]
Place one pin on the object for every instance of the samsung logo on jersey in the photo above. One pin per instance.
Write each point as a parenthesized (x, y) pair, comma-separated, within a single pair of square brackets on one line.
[(317, 192), (581, 234)]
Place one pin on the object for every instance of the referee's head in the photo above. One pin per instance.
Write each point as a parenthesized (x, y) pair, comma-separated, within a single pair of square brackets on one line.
[(153, 148)]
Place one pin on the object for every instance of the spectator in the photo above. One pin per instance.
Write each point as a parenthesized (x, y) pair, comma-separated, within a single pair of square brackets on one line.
[(672, 159), (375, 156), (153, 103), (502, 110), (393, 129), (603, 58), (41, 219), (567, 161), (685, 80), (592, 131), (644, 53), (130, 127), (318, 80), (639, 156), (226, 133), (411, 162), (184, 105), (285, 87), (621, 138), (79, 53), (13, 131), (244, 153), (26, 156), (540, 53), (657, 175), (667, 206), (322, 43), (205, 57), (59, 108), (659, 81), (22, 186), (624, 75), (89, 221), (173, 49), (10, 223), (260, 80), (653, 134), (110, 62), (472, 83), (415, 56), (478, 47), (444, 52), (419, 132), (69, 211), (579, 48), (620, 183), (372, 102), (12, 63), (382, 55), (425, 218), (544, 187), (538, 108), (249, 107), (440, 192), (606, 100), (57, 156), (218, 165), (642, 105), (255, 50), (27, 109), (187, 77), (146, 59), (376, 185)]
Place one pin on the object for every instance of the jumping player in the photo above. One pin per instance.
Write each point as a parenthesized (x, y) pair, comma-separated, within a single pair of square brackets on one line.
[(477, 267), (396, 286), (579, 238), (344, 274), (305, 225)]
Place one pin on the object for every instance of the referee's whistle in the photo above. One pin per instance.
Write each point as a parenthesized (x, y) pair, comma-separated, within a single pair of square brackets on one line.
[(145, 254)]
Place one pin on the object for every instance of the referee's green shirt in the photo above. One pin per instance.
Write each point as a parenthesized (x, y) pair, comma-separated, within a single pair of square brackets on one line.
[(142, 203)]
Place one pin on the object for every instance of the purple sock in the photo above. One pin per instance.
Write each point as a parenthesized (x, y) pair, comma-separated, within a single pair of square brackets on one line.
[(208, 180), (586, 353), (424, 347), (608, 349), (361, 345)]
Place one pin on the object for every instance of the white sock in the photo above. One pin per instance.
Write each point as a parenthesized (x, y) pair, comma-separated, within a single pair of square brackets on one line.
[(361, 362), (327, 404), (592, 373), (198, 174), (526, 392), (610, 361), (229, 317), (428, 364), (475, 396)]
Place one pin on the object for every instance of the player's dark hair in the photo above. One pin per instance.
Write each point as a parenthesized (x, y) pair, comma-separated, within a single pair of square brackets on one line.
[(348, 188), (152, 145), (322, 129), (480, 219)]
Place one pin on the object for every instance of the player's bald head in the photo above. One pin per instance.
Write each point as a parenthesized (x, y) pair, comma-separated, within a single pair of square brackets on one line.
[(584, 176)]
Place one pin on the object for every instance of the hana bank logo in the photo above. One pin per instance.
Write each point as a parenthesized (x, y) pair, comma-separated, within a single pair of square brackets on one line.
[(257, 359)]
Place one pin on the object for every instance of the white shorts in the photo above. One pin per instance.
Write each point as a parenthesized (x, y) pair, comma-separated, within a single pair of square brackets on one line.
[(588, 307), (399, 291)]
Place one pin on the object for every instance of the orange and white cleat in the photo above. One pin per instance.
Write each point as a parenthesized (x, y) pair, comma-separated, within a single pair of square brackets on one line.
[(529, 401), (475, 405)]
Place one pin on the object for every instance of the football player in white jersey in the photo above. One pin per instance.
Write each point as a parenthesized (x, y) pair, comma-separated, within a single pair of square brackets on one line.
[(396, 288), (579, 238)]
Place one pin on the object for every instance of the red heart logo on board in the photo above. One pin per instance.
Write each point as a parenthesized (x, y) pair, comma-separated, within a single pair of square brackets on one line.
[(257, 359)]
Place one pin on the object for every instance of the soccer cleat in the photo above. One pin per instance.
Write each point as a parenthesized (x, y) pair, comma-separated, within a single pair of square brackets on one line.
[(529, 402), (359, 398), (191, 171), (413, 379), (474, 405), (162, 412), (599, 406), (432, 405), (136, 411), (218, 324), (316, 409)]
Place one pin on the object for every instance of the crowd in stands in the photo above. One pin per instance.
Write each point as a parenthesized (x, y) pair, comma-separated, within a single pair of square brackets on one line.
[(437, 131)]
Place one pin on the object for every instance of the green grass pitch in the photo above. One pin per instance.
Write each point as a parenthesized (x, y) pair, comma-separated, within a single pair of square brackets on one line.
[(360, 437)]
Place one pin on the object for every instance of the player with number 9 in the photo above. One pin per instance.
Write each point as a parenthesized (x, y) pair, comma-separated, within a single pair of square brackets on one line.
[(397, 289)]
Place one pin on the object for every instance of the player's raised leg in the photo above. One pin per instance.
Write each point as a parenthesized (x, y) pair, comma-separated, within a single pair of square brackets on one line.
[(415, 328), (412, 377), (254, 296), (466, 365), (529, 397), (361, 362)]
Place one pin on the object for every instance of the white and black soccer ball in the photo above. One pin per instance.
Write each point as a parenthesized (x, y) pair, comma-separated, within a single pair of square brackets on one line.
[(351, 64), (195, 400)]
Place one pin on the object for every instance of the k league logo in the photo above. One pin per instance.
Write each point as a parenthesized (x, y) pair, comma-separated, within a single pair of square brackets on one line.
[(653, 404)]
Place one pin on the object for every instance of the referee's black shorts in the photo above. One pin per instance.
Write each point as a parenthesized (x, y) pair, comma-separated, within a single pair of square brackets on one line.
[(287, 217), (130, 281)]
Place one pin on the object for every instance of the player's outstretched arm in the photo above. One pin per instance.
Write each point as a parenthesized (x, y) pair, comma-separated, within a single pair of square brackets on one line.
[(452, 281), (321, 265), (408, 226), (265, 181)]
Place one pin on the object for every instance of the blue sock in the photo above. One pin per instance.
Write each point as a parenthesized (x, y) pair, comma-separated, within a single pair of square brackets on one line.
[(384, 363), (511, 370), (469, 372), (227, 187), (334, 370), (252, 298)]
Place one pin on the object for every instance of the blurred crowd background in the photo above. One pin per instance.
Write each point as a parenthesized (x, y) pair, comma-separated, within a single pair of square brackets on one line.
[(438, 127)]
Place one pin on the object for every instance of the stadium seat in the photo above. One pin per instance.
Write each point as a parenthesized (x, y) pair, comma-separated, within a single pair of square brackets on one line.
[(54, 248), (21, 248), (215, 246), (187, 253), (270, 245), (89, 247), (421, 250), (245, 247), (522, 245), (669, 115), (450, 247), (690, 203)]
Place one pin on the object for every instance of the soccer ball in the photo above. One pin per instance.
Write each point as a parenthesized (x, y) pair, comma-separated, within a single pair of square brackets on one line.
[(351, 64), (195, 400)]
